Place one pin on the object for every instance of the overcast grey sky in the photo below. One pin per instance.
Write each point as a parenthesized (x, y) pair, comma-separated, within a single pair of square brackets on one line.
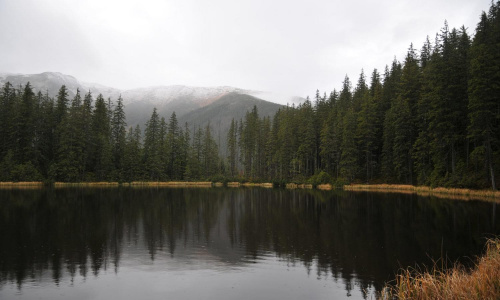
[(291, 47)]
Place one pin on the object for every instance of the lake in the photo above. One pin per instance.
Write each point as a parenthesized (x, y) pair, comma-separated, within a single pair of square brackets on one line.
[(223, 243)]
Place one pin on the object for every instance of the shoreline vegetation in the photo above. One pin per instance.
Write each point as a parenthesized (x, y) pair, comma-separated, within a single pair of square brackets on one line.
[(431, 119), (481, 282), (439, 192)]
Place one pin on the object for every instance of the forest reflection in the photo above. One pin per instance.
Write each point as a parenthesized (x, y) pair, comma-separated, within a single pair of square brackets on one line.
[(359, 239)]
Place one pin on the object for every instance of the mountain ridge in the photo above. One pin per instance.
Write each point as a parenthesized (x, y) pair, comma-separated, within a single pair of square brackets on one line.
[(52, 81), (197, 106)]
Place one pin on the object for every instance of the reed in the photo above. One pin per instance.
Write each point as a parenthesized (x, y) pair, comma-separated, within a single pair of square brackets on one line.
[(482, 282), (22, 183), (171, 184), (440, 192), (253, 184), (233, 184), (298, 186), (324, 187), (86, 184), (383, 187)]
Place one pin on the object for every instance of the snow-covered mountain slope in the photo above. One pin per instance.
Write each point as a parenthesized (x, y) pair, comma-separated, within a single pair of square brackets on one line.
[(157, 95), (51, 82), (139, 103)]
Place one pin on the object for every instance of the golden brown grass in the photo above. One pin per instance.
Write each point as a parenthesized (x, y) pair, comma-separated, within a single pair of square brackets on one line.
[(171, 184), (86, 184), (21, 185), (324, 187), (298, 186), (452, 193), (483, 282), (252, 184), (375, 187)]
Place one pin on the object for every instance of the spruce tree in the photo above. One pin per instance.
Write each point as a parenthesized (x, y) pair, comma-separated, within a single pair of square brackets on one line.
[(101, 140), (484, 93), (232, 148), (118, 136), (152, 148)]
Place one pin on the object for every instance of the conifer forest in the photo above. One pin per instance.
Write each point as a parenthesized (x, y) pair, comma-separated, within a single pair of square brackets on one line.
[(431, 119)]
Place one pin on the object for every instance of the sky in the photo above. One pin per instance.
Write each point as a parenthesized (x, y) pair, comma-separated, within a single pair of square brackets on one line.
[(291, 47)]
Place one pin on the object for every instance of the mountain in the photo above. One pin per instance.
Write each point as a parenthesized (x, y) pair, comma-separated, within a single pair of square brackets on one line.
[(51, 82), (196, 105), (221, 112), (139, 103)]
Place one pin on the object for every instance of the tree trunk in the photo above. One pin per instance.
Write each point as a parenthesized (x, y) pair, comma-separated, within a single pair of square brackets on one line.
[(489, 158)]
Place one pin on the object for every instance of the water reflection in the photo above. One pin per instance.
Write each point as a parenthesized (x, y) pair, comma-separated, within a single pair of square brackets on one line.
[(358, 239)]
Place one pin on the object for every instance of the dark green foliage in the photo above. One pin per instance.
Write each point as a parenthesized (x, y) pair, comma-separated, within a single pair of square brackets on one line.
[(118, 138), (209, 155), (69, 163), (24, 126), (231, 146), (132, 155), (321, 178), (101, 138), (433, 119), (484, 94), (174, 149), (152, 148)]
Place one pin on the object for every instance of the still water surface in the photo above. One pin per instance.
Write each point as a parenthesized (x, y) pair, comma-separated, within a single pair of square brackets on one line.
[(127, 243)]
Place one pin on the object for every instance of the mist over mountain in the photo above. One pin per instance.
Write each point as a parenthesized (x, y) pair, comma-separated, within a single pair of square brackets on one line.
[(139, 102), (219, 114)]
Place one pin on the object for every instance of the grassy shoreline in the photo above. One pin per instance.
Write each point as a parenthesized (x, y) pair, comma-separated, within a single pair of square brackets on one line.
[(482, 282), (455, 193), (440, 192)]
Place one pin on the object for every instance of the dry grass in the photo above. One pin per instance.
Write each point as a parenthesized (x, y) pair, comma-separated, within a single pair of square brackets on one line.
[(251, 184), (324, 187), (233, 184), (21, 185), (171, 184), (381, 187), (451, 193), (483, 282), (86, 184), (298, 186)]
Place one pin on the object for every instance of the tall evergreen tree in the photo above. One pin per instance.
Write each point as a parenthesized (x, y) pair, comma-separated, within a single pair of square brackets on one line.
[(132, 158), (118, 137), (484, 92), (232, 147), (101, 138), (152, 148)]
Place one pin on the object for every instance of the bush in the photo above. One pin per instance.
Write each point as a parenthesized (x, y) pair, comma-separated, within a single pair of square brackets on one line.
[(26, 172), (340, 182), (320, 178)]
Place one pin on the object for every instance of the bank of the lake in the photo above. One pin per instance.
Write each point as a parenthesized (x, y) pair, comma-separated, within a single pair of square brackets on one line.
[(482, 282), (440, 192)]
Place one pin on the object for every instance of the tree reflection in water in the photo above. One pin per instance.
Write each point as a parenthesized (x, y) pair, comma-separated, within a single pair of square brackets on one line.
[(360, 239)]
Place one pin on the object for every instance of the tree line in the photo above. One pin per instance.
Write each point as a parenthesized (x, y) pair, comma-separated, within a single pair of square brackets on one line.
[(42, 138), (432, 119)]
